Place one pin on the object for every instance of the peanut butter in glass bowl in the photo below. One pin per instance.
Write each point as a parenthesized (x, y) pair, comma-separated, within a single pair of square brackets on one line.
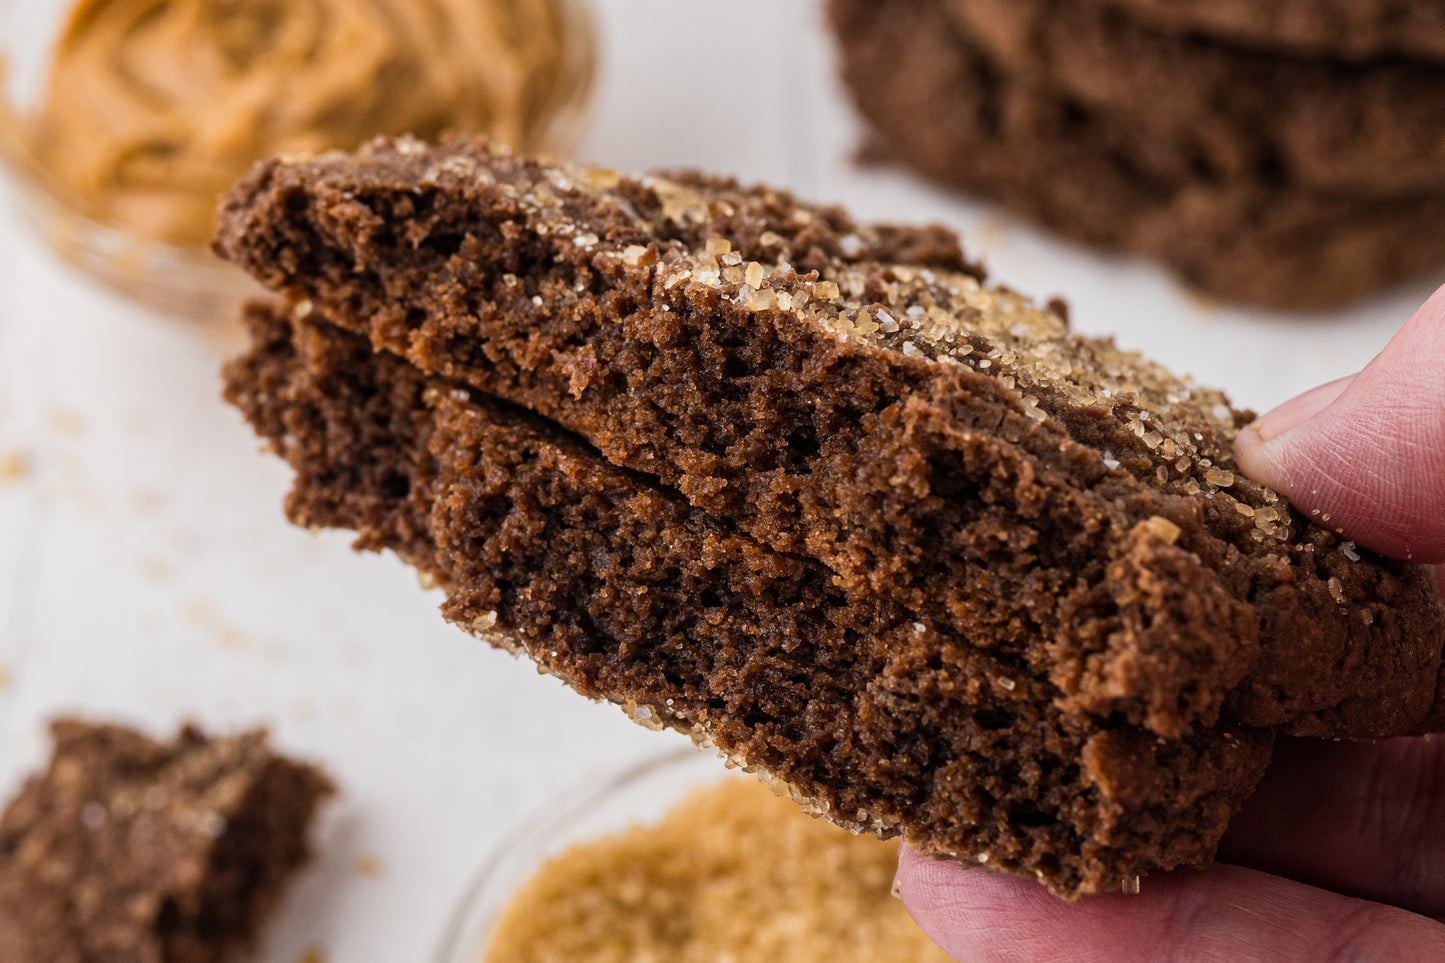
[(124, 121)]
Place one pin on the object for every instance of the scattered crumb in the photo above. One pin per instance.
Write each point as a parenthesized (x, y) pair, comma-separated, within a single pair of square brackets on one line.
[(145, 502), (369, 864), (66, 422), (14, 466), (224, 634)]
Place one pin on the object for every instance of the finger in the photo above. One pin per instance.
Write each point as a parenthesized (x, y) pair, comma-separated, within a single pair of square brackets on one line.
[(1366, 455), (1224, 913), (1360, 819)]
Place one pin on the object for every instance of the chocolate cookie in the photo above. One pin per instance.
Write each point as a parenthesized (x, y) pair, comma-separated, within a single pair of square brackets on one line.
[(618, 586), (1373, 129), (885, 414), (1345, 29), (1092, 177), (130, 849), (793, 483)]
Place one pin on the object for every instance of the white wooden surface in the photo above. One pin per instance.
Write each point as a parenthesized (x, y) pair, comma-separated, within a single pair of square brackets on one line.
[(147, 574)]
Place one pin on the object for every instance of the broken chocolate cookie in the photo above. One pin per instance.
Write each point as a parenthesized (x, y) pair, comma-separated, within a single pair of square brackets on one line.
[(812, 490), (130, 849)]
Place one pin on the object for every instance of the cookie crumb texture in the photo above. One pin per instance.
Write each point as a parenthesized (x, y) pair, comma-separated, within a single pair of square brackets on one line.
[(130, 849), (814, 492), (733, 873), (1261, 176)]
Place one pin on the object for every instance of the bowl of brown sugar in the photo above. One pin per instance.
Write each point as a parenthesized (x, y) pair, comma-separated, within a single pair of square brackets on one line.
[(680, 859)]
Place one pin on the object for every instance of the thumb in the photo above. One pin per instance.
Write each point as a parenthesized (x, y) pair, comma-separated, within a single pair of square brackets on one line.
[(1365, 456)]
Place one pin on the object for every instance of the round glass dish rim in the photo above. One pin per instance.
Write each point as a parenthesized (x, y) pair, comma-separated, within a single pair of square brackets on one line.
[(523, 848), (142, 268), (566, 129)]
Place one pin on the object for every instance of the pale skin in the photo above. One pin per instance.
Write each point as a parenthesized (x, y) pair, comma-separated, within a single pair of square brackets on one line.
[(1340, 855)]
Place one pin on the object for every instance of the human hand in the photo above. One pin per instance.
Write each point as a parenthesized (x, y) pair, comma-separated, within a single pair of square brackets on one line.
[(1340, 854)]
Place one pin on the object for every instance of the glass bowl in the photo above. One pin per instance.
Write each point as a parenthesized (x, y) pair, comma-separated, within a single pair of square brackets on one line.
[(639, 796), (189, 281)]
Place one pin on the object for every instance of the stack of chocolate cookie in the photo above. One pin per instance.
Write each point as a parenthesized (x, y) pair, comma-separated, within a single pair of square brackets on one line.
[(1290, 154)]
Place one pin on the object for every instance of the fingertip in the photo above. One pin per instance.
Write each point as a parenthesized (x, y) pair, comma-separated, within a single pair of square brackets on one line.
[(1224, 912), (1259, 460), (1299, 409), (968, 910), (929, 888), (1365, 455), (1267, 449)]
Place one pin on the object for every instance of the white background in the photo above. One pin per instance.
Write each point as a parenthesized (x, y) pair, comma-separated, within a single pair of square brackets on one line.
[(147, 574)]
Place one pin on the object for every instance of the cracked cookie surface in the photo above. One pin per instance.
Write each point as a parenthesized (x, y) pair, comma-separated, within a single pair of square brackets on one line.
[(853, 511)]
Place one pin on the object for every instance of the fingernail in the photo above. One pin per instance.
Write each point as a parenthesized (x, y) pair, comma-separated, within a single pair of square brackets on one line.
[(1299, 409)]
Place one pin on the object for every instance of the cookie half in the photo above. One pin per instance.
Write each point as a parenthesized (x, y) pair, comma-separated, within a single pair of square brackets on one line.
[(814, 491), (866, 716)]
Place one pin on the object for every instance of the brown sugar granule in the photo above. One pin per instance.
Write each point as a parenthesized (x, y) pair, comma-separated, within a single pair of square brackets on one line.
[(130, 849), (892, 535), (733, 873)]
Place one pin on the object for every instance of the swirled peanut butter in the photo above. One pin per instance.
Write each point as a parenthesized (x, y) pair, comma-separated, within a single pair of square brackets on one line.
[(154, 107)]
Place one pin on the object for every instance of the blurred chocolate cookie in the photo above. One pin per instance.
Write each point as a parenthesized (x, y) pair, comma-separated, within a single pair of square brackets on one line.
[(1369, 129), (941, 105), (1344, 29), (129, 849)]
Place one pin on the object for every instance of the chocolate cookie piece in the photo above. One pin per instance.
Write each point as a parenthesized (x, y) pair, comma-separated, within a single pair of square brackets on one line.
[(1091, 177), (614, 583), (1344, 29), (130, 849), (1363, 130), (944, 445)]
